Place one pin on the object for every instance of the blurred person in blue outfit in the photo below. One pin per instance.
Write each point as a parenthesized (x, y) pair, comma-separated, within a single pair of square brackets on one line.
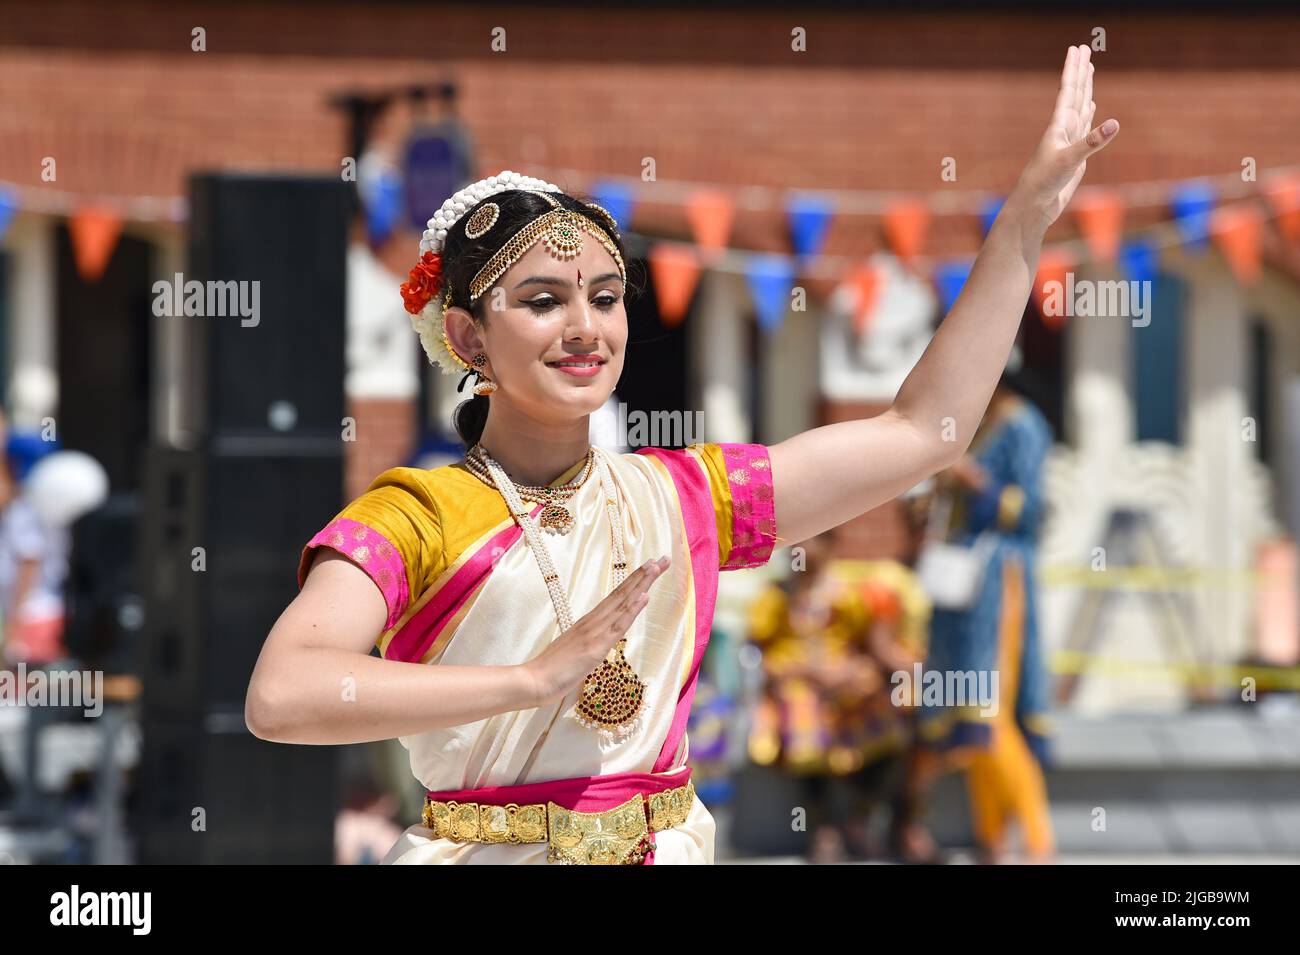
[(33, 561), (997, 492)]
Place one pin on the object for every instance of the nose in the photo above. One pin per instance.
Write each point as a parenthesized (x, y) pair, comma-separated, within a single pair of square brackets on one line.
[(581, 325)]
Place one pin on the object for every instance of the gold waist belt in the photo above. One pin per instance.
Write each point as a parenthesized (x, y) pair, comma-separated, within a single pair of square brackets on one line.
[(618, 836)]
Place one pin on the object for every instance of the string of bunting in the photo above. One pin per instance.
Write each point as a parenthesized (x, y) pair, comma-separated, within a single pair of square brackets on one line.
[(94, 222), (1199, 208), (1200, 211)]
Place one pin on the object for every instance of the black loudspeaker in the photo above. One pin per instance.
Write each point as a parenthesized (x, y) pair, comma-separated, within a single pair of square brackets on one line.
[(211, 793), (272, 251), (222, 536), (224, 522), (103, 590)]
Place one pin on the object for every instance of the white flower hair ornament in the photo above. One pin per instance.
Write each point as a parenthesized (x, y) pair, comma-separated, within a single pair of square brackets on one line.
[(425, 294)]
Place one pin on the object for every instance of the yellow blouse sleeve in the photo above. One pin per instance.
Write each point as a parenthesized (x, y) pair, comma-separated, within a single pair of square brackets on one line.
[(740, 479), (391, 532)]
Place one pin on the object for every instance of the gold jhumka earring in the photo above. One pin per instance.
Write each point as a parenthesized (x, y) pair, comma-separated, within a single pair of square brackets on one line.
[(483, 385)]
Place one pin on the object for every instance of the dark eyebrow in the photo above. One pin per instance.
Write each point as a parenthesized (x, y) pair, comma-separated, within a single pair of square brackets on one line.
[(564, 283)]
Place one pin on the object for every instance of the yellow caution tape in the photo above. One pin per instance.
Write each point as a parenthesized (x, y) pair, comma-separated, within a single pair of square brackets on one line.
[(1151, 578), (1199, 674)]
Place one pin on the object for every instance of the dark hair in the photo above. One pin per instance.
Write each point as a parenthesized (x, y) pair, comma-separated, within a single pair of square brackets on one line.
[(462, 258)]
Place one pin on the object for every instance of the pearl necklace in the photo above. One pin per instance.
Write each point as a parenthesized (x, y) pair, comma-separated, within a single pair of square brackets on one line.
[(611, 697)]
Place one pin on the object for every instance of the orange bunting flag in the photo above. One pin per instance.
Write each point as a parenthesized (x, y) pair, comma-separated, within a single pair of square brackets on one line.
[(1284, 195), (865, 280), (94, 231), (676, 271), (710, 214), (1237, 230), (1101, 219), (1052, 290), (906, 222)]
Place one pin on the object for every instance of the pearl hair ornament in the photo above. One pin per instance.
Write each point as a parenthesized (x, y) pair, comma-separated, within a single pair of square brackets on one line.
[(435, 236)]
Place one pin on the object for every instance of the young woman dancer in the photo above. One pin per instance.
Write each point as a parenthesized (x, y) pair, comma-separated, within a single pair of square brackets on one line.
[(541, 608)]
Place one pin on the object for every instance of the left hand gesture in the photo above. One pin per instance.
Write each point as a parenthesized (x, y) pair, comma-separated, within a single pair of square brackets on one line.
[(1054, 171)]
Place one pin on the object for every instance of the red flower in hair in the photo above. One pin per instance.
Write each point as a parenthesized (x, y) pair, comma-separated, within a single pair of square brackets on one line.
[(424, 282)]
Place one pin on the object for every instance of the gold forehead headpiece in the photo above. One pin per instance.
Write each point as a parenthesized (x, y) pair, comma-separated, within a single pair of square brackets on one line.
[(559, 229)]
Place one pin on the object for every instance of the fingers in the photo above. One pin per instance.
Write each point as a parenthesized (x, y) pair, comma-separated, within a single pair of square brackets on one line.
[(637, 583), (1095, 140), (1075, 93), (1065, 96), (1083, 76), (1083, 84), (650, 572), (623, 620), (1086, 105), (1067, 71), (635, 601), (1076, 79), (638, 596), (643, 577)]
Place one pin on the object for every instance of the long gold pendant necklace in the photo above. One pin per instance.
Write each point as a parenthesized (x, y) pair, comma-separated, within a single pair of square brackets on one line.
[(610, 700)]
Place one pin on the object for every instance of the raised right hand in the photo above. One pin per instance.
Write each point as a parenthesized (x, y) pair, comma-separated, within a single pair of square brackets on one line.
[(565, 663), (1057, 165)]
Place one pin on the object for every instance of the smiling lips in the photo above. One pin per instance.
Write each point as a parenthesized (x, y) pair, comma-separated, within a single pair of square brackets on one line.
[(580, 366)]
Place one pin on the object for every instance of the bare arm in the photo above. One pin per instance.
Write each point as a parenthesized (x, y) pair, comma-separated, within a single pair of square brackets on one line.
[(315, 681), (825, 476)]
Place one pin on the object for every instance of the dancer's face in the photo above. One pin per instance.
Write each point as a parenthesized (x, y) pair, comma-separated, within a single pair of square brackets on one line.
[(554, 350)]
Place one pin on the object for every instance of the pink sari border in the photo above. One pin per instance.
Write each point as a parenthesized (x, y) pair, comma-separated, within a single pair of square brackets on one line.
[(579, 793), (420, 632), (749, 475), (372, 552), (702, 537)]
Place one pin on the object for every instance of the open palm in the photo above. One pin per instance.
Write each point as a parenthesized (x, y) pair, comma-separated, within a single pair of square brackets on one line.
[(1058, 164)]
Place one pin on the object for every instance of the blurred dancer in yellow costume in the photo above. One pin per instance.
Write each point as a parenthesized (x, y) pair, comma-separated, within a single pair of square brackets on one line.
[(825, 714)]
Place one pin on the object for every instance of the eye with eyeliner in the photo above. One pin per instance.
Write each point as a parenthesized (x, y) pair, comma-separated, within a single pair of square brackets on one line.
[(546, 303)]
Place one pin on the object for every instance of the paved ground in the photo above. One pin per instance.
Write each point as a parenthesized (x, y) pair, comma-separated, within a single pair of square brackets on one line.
[(1209, 787)]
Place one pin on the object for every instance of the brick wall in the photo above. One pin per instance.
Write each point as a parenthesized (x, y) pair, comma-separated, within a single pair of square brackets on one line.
[(384, 429), (116, 95)]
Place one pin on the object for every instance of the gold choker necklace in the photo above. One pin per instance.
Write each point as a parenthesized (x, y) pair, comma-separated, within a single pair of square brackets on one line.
[(555, 518)]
